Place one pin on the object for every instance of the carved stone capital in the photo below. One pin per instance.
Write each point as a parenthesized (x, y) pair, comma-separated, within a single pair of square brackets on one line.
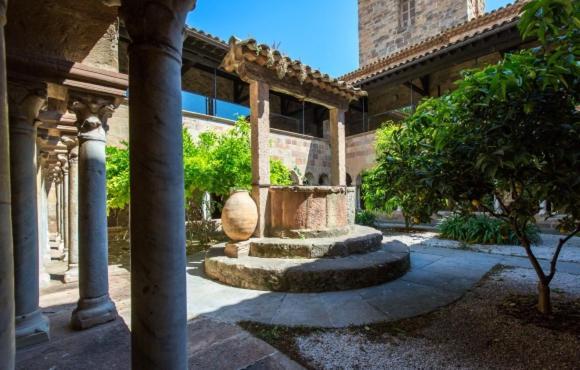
[(56, 173), (63, 159), (25, 101), (157, 24), (70, 141), (92, 113), (72, 144), (43, 159)]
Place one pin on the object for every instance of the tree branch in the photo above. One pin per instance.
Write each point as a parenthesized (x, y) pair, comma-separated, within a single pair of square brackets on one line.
[(554, 260), (494, 213), (527, 246)]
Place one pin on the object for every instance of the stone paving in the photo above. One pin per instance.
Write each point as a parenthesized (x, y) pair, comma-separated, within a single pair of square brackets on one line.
[(438, 277), (428, 237), (211, 344)]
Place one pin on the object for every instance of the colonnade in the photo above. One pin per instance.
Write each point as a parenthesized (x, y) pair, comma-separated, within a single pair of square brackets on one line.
[(75, 173)]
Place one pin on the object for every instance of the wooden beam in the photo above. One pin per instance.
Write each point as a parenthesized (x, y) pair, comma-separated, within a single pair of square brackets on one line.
[(290, 86), (426, 84), (415, 88)]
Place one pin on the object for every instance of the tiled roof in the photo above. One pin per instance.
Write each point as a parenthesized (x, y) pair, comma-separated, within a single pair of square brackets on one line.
[(204, 36), (445, 39), (284, 67)]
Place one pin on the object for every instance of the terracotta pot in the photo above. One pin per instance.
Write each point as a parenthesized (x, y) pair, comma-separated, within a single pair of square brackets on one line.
[(239, 216)]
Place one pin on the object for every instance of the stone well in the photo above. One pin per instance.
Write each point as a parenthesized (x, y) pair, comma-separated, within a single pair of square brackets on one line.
[(311, 244), (308, 211)]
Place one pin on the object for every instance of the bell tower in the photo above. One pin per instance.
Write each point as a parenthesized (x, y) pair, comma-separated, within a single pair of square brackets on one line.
[(388, 26)]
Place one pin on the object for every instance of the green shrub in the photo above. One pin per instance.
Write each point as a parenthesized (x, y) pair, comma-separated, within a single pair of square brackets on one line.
[(481, 229), (365, 217)]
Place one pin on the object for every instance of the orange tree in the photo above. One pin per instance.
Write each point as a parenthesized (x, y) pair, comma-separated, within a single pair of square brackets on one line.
[(510, 131)]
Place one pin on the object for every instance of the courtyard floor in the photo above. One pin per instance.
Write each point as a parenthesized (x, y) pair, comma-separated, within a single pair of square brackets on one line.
[(440, 280), (485, 329)]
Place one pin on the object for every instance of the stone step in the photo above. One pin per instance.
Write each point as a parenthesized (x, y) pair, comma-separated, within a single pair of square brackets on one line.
[(309, 275), (360, 239)]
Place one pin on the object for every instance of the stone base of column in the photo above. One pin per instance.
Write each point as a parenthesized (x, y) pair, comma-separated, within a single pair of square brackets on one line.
[(72, 274), (92, 312), (31, 329), (54, 237)]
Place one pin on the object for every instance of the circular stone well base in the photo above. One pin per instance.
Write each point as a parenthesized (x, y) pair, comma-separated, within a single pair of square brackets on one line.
[(360, 239), (354, 271)]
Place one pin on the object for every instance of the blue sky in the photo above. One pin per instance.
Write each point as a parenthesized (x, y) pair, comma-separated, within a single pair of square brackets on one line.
[(321, 33)]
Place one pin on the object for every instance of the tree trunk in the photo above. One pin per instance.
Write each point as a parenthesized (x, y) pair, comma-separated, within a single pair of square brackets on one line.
[(544, 302)]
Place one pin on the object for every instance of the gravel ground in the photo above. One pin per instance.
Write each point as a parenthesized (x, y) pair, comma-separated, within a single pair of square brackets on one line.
[(470, 334), (544, 249)]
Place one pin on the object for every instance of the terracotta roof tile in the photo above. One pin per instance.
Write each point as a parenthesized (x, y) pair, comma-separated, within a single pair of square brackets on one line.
[(285, 67), (446, 38), (191, 31)]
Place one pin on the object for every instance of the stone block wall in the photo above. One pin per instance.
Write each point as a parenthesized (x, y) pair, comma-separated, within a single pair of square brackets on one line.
[(118, 126), (307, 153), (381, 32), (360, 153), (443, 81)]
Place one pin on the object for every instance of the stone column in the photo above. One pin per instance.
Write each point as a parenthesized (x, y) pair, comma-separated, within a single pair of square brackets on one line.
[(94, 306), (72, 274), (52, 205), (260, 125), (25, 102), (63, 158), (158, 290), (7, 345), (57, 185), (47, 183), (44, 277), (61, 211), (337, 147)]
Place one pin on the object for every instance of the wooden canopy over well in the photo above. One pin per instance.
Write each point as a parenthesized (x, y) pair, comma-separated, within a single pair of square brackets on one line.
[(254, 62)]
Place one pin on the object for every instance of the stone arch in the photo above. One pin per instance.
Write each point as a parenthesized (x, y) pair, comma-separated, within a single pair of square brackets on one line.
[(323, 179)]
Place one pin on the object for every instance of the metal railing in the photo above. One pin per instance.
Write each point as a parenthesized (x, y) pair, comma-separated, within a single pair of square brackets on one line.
[(198, 103)]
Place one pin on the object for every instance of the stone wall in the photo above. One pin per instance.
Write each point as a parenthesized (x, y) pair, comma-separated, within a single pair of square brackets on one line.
[(360, 153), (118, 126), (307, 153), (381, 32), (443, 81)]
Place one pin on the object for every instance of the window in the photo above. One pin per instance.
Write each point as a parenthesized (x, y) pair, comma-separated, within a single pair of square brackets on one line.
[(406, 13)]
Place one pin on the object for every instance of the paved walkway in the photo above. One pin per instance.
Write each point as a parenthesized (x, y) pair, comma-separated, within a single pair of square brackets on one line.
[(543, 250), (438, 277), (211, 344)]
